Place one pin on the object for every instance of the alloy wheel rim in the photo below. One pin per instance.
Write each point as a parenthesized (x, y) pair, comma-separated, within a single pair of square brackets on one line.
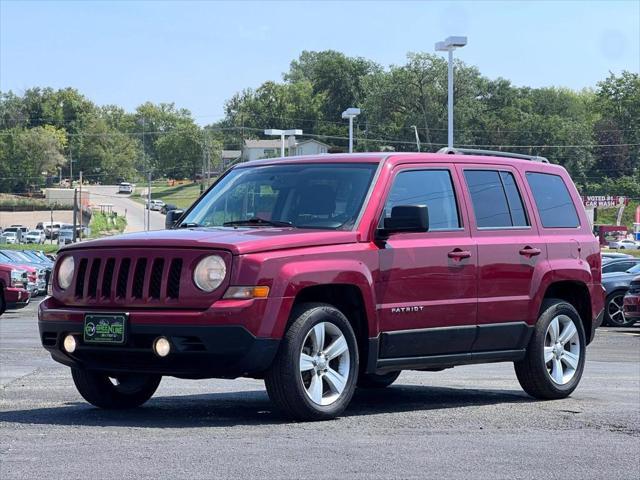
[(325, 363), (562, 349), (616, 310)]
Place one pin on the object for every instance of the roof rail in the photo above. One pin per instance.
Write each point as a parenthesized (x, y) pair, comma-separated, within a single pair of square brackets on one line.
[(492, 153)]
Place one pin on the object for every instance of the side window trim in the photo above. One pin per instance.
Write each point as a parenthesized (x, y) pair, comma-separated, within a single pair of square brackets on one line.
[(422, 168), (499, 169)]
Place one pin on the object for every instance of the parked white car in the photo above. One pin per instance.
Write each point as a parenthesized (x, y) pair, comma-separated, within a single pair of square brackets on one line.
[(34, 236), (155, 205), (9, 237), (125, 187), (625, 244)]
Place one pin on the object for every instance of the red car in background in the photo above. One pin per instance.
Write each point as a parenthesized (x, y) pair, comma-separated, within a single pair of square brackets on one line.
[(13, 293), (632, 301)]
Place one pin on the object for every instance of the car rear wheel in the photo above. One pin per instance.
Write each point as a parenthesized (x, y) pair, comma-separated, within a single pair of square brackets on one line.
[(371, 380), (614, 315), (555, 357), (3, 302), (115, 392), (314, 374)]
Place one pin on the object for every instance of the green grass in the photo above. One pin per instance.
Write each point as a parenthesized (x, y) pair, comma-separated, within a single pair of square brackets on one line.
[(635, 253), (102, 225), (181, 196), (46, 247)]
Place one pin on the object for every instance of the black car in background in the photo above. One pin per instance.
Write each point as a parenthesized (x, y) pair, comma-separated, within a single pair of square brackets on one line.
[(616, 285)]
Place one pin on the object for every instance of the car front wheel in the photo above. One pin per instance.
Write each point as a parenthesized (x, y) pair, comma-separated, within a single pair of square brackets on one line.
[(554, 361), (314, 374), (115, 392), (614, 315)]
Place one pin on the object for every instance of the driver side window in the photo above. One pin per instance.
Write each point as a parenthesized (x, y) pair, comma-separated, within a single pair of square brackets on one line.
[(433, 188)]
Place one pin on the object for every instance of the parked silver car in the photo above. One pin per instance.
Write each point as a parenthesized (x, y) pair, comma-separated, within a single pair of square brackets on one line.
[(625, 244)]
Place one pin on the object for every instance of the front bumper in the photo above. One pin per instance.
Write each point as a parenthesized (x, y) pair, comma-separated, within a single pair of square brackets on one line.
[(16, 298), (196, 351), (212, 343)]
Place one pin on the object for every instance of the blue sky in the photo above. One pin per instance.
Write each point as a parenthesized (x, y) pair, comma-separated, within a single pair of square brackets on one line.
[(198, 54)]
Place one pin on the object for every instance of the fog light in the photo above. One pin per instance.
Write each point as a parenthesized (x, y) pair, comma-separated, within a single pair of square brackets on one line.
[(161, 346), (70, 343)]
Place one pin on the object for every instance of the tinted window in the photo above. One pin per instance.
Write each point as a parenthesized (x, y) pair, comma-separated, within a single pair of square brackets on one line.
[(496, 200), (617, 267), (432, 188), (554, 203)]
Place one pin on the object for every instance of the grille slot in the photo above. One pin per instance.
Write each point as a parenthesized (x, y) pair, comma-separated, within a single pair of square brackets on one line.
[(123, 276), (155, 282), (138, 278), (173, 282), (82, 270), (93, 278), (49, 339), (107, 277)]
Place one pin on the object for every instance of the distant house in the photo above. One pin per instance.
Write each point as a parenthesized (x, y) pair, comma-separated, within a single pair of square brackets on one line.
[(257, 149), (308, 147), (229, 157)]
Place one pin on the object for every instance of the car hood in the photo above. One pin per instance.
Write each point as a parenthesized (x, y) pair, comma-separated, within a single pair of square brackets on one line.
[(238, 241)]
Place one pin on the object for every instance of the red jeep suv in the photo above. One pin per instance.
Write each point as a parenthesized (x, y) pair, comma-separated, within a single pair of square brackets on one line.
[(320, 274)]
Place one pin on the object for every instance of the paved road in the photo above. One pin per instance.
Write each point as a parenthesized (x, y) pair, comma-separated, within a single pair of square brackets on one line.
[(123, 204), (468, 422)]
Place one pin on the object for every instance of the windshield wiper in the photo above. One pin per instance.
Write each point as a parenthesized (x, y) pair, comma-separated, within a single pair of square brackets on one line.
[(257, 221), (189, 225)]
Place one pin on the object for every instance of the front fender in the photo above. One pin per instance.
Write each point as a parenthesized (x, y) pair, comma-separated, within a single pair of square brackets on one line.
[(292, 277)]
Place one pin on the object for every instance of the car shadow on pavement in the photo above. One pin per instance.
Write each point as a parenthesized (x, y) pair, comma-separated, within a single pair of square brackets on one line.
[(254, 408)]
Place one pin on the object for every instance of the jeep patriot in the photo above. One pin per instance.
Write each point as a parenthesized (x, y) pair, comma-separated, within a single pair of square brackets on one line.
[(323, 274)]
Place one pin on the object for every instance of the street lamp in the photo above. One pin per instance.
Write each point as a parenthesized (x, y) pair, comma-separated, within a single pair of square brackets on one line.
[(449, 45), (351, 113), (282, 133)]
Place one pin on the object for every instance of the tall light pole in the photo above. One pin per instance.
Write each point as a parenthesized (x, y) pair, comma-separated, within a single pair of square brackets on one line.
[(415, 129), (282, 133), (449, 45), (351, 113)]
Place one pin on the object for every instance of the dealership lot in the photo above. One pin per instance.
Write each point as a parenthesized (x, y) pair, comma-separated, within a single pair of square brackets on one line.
[(465, 422)]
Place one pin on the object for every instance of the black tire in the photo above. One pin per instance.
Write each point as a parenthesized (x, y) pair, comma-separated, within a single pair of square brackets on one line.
[(3, 302), (610, 306), (371, 380), (284, 381), (532, 371), (132, 391)]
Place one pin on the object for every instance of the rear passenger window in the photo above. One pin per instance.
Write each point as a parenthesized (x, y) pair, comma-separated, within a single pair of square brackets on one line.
[(496, 200), (553, 200), (432, 188)]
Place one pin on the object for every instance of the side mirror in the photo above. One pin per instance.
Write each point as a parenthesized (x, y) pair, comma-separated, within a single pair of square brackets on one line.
[(172, 218), (406, 218)]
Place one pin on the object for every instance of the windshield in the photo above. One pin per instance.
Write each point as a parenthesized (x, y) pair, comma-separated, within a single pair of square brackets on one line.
[(634, 269), (324, 196)]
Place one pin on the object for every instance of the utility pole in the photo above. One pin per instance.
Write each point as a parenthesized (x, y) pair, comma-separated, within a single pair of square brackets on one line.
[(415, 129), (149, 201), (80, 202), (70, 167), (75, 214), (51, 227)]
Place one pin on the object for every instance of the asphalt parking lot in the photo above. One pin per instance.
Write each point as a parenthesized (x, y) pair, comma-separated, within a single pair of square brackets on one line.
[(467, 422)]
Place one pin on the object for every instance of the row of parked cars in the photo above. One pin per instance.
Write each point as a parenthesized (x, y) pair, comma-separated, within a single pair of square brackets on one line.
[(24, 274), (621, 281), (43, 231)]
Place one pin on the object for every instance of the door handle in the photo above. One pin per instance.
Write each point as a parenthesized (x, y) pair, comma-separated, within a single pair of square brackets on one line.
[(458, 254), (530, 252)]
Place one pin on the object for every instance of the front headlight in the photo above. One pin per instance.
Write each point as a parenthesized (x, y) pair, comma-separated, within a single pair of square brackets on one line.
[(209, 273), (65, 272)]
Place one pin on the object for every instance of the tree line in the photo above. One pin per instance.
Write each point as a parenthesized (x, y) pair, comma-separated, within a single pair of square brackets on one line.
[(594, 133)]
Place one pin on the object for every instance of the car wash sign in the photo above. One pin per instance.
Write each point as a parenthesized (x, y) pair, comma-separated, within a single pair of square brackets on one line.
[(604, 201)]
